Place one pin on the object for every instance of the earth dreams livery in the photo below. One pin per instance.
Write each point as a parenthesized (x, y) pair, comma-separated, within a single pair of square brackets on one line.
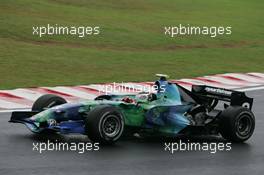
[(170, 111)]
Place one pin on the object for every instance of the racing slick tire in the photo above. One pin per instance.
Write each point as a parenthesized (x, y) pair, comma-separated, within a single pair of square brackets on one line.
[(237, 123), (104, 124), (47, 101)]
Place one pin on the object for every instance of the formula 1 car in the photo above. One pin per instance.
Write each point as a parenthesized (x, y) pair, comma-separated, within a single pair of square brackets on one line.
[(169, 111)]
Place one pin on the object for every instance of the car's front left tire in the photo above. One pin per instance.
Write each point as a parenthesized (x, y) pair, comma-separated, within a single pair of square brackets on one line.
[(104, 124)]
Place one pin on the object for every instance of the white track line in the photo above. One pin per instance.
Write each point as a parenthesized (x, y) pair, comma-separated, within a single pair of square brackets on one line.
[(246, 77), (98, 87), (257, 74), (11, 105), (204, 82), (251, 89), (192, 81), (24, 93), (73, 92), (229, 82)]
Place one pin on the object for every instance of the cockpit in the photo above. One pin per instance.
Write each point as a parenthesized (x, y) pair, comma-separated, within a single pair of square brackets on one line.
[(166, 92)]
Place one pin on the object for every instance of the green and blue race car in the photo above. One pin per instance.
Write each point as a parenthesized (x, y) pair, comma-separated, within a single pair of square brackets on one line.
[(171, 110)]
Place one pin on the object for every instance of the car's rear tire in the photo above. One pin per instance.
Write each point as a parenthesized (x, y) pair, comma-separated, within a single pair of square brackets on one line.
[(104, 124), (237, 124), (47, 101)]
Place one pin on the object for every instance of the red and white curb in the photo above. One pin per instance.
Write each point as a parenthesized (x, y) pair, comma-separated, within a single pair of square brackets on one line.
[(23, 98)]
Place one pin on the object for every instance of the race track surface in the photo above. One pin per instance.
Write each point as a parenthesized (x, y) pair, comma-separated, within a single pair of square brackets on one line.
[(130, 156)]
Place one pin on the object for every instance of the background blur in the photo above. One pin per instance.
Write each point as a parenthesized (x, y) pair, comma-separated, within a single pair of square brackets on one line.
[(131, 46)]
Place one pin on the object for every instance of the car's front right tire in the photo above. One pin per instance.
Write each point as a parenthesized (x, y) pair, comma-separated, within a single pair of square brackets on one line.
[(47, 101)]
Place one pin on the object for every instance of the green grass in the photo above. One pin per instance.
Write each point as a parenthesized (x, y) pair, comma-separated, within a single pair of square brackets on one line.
[(131, 46)]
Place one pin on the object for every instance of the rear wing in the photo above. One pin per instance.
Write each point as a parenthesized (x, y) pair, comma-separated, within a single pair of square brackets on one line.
[(235, 98)]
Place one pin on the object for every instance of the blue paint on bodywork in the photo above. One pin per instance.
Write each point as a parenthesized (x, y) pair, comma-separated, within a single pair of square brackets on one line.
[(169, 91), (70, 127), (171, 113), (169, 116)]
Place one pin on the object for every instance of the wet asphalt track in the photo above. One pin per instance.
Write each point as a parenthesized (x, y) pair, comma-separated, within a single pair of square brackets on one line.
[(131, 156)]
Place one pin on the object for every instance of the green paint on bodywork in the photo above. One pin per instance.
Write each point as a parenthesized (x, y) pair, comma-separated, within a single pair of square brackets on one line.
[(134, 115), (140, 112)]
